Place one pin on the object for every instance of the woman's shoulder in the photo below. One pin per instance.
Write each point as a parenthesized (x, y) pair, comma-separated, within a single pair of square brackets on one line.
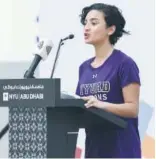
[(123, 58), (126, 61)]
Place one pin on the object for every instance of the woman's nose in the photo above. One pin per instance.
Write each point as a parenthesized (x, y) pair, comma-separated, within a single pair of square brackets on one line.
[(87, 28)]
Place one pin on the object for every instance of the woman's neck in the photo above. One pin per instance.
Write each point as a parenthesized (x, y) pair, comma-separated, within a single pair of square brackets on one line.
[(104, 50)]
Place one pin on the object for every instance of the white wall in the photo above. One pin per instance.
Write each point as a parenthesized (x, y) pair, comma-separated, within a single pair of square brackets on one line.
[(17, 37), (18, 29), (5, 28)]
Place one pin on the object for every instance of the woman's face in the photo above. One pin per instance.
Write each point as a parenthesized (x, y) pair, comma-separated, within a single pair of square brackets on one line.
[(95, 28)]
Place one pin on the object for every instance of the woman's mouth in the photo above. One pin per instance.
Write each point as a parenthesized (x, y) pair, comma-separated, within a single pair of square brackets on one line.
[(86, 35)]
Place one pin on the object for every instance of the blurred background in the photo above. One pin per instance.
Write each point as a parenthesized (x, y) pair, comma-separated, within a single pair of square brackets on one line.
[(24, 22)]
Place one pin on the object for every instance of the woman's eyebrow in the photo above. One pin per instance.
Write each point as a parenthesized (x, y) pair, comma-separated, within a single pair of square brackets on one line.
[(92, 19), (96, 19)]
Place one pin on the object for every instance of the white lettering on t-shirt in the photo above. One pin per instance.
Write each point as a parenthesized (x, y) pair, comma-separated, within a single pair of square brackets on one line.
[(98, 89)]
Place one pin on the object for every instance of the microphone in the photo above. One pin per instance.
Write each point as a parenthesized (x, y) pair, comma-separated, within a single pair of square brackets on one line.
[(42, 51), (71, 36)]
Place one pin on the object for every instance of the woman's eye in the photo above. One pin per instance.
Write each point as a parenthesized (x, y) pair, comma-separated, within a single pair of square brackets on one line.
[(93, 23)]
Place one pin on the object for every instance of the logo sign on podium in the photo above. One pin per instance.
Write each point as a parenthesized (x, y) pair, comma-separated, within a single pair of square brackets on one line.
[(26, 92)]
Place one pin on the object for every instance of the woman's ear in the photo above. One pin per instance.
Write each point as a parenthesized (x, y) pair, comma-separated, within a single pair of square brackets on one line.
[(111, 30)]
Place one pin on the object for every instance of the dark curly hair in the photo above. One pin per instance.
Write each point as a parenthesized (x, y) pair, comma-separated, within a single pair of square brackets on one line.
[(112, 16)]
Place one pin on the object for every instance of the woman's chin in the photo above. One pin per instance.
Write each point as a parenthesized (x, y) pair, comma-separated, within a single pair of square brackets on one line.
[(88, 42)]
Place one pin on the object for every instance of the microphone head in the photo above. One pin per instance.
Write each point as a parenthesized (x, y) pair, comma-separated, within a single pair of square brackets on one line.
[(71, 36), (44, 47)]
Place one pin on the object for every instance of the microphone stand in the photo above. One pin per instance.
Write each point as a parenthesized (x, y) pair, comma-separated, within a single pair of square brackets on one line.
[(56, 58), (71, 36)]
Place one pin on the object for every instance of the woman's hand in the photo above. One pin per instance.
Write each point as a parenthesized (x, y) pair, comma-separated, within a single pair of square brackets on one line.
[(93, 102)]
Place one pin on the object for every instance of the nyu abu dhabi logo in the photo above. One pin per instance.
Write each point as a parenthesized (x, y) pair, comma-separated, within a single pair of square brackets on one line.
[(5, 96), (24, 93), (25, 96)]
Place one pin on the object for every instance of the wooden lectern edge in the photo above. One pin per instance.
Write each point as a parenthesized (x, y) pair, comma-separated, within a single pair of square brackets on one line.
[(80, 104), (109, 116)]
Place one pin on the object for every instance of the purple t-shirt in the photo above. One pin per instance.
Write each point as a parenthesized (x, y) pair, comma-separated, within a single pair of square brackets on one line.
[(106, 83)]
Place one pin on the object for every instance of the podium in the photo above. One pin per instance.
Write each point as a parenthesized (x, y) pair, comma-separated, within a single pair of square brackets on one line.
[(43, 122)]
